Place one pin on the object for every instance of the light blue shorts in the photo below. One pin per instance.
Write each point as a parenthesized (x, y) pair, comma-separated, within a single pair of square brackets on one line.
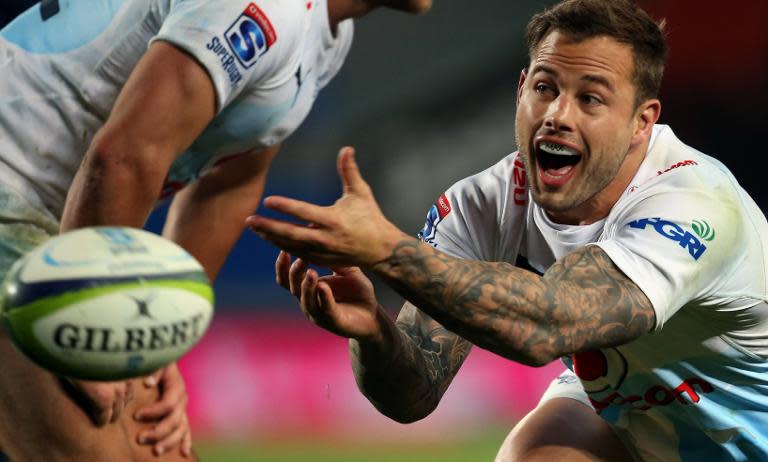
[(22, 227)]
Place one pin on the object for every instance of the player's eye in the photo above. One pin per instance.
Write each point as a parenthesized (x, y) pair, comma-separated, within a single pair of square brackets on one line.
[(590, 100), (543, 89)]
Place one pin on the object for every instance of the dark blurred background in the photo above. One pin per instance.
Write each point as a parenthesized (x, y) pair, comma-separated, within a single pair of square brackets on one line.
[(429, 100)]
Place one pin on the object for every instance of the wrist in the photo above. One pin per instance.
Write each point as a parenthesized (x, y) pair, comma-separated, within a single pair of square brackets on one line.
[(387, 247)]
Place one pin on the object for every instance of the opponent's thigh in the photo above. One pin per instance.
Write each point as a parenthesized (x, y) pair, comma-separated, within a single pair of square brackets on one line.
[(562, 429), (39, 420)]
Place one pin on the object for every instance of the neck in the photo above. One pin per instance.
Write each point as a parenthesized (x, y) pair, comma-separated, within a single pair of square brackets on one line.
[(339, 10)]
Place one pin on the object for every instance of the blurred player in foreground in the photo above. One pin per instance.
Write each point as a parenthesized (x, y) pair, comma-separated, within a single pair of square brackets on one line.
[(106, 106), (605, 241)]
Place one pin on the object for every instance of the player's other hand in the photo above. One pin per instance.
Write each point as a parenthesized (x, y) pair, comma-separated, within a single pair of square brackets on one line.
[(351, 232), (168, 414), (343, 302), (104, 402)]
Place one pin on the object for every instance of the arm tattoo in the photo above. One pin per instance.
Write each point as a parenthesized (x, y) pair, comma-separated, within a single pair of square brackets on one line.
[(407, 386), (582, 302)]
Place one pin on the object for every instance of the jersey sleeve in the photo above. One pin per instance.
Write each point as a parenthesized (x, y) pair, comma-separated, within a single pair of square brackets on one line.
[(676, 246), (467, 220), (239, 43), (566, 385)]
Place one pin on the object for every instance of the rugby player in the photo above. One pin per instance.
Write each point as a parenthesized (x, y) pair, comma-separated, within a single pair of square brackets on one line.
[(605, 241), (105, 108)]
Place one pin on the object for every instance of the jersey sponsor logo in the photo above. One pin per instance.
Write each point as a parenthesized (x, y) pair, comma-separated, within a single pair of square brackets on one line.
[(683, 163), (250, 36), (602, 372), (675, 232), (703, 230), (435, 215), (519, 195)]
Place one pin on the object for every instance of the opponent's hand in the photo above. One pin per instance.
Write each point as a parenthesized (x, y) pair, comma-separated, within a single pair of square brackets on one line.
[(351, 232), (104, 402), (169, 413), (343, 303)]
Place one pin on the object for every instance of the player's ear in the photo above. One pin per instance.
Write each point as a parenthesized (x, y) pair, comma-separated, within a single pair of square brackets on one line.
[(646, 115), (521, 82)]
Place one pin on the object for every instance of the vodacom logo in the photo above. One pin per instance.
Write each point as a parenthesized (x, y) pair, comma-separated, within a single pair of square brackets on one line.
[(602, 372)]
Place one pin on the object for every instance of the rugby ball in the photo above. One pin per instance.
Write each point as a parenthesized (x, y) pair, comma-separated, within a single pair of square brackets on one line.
[(106, 303)]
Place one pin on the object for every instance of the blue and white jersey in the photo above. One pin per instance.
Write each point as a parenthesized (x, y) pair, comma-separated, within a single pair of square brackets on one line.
[(63, 63), (695, 389)]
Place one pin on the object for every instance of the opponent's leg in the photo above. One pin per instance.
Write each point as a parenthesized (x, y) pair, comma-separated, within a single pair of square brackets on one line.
[(38, 419), (562, 429)]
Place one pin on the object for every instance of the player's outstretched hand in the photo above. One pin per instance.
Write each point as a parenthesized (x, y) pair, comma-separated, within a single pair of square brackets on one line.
[(343, 302), (104, 402), (169, 414), (351, 232)]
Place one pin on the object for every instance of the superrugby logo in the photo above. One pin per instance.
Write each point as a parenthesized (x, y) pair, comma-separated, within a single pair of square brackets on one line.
[(675, 232), (435, 215), (250, 36)]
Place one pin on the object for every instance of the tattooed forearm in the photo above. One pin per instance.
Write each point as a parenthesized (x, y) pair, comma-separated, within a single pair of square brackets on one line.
[(406, 381), (582, 302)]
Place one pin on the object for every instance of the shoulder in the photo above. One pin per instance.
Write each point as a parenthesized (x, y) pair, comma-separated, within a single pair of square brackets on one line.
[(508, 172)]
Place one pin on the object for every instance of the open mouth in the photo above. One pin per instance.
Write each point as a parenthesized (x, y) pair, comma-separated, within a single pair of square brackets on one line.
[(556, 162)]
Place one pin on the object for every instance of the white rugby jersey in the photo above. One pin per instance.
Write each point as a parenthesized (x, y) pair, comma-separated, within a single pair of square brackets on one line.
[(690, 237), (64, 62)]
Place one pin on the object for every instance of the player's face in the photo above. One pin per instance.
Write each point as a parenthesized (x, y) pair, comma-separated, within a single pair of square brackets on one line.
[(575, 124)]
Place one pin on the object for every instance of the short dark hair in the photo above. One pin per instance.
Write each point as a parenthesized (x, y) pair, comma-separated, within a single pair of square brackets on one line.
[(621, 20)]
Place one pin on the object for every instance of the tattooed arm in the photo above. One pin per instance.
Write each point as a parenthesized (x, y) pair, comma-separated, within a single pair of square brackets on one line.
[(406, 379), (582, 302)]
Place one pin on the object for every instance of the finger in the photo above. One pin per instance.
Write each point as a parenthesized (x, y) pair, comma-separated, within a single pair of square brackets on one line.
[(174, 439), (349, 172), (297, 273), (307, 287), (324, 301), (186, 444), (160, 409), (282, 267), (285, 235), (325, 297), (299, 209), (168, 432)]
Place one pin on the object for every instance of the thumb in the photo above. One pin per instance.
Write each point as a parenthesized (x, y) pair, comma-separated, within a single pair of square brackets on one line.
[(349, 172)]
